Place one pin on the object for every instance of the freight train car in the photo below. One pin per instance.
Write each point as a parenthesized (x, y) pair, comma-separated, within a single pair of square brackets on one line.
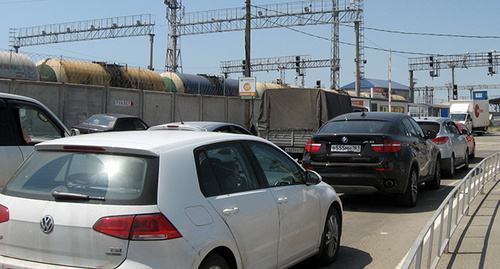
[(17, 66), (99, 73)]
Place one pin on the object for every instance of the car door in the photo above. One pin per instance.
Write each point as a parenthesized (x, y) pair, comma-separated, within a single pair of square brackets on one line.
[(458, 141), (10, 153), (29, 124), (230, 184), (418, 147), (298, 203), (427, 147)]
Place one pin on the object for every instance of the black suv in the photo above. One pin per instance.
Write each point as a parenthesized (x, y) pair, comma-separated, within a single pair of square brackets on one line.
[(387, 151)]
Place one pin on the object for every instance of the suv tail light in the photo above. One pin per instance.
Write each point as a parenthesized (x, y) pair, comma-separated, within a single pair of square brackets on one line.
[(387, 146), (311, 146), (4, 214), (440, 140), (137, 227)]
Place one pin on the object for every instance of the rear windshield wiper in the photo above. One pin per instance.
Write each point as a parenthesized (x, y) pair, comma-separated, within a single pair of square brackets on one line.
[(74, 196)]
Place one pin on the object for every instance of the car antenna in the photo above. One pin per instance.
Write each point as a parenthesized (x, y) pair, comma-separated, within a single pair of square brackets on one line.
[(180, 115)]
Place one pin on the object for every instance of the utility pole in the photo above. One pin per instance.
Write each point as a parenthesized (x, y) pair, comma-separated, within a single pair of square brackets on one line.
[(247, 61)]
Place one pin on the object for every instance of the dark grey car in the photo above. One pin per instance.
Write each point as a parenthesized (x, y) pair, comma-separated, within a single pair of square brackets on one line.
[(386, 151)]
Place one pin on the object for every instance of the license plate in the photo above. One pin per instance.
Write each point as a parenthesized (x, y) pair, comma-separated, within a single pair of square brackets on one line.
[(346, 148), (294, 150)]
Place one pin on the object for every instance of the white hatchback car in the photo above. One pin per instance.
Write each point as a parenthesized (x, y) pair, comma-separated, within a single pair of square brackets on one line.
[(166, 199)]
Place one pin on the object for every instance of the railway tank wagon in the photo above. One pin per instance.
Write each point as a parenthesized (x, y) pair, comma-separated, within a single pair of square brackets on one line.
[(17, 66)]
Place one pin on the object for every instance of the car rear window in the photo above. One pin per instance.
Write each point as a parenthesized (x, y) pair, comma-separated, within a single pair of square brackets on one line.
[(356, 126), (104, 178), (426, 126)]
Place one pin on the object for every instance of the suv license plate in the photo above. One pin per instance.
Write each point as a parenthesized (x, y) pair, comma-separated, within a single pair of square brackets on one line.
[(346, 148)]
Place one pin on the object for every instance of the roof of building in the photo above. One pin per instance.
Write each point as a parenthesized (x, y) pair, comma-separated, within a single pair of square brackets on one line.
[(376, 83)]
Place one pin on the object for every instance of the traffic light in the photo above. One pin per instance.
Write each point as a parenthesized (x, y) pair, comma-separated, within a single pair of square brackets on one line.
[(455, 92), (243, 64)]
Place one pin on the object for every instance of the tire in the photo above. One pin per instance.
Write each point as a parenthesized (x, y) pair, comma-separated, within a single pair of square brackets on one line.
[(435, 183), (409, 197), (330, 239), (451, 170), (473, 154), (466, 161), (214, 261)]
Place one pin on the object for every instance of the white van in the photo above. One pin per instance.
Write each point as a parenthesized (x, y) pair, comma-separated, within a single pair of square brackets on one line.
[(24, 122)]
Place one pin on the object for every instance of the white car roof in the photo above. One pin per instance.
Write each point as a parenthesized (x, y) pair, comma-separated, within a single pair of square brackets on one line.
[(142, 142)]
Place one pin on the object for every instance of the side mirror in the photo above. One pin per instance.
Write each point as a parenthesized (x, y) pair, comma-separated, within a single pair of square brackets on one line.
[(431, 134), (75, 132), (312, 177)]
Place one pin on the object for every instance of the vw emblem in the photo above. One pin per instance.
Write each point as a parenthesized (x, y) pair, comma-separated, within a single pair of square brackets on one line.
[(344, 140), (47, 224)]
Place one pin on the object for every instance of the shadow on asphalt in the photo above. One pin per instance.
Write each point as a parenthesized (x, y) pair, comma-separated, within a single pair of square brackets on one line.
[(348, 258)]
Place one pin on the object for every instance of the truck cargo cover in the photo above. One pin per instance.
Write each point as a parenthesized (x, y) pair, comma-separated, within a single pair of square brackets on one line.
[(300, 108)]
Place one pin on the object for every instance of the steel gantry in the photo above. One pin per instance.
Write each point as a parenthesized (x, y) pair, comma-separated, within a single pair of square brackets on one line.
[(312, 12), (126, 26), (434, 63)]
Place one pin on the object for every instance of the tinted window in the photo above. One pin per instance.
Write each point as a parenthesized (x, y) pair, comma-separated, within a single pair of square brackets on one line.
[(417, 127), (450, 127), (356, 126), (426, 126), (409, 127), (36, 126), (277, 167), (5, 135), (223, 169), (118, 179)]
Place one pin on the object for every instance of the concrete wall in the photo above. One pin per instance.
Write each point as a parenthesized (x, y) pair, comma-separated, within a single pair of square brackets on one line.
[(73, 103)]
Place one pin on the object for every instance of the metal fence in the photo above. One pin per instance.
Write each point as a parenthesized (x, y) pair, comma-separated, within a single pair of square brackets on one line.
[(434, 239)]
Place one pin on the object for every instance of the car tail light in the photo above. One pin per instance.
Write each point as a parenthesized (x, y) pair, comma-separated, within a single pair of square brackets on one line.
[(4, 214), (311, 146), (387, 146), (440, 140), (83, 148), (137, 227)]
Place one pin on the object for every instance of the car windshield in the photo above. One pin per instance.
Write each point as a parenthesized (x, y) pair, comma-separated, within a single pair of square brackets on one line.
[(102, 178), (355, 126), (458, 117), (101, 120)]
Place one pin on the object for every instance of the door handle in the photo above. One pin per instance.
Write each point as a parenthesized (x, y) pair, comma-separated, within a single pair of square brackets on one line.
[(282, 200), (229, 211)]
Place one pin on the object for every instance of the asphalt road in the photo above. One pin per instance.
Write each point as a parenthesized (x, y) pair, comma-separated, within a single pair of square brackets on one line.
[(377, 233)]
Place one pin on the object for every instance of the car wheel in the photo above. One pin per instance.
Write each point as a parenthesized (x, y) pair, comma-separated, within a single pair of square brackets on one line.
[(451, 169), (466, 160), (214, 261), (435, 183), (330, 240), (473, 153), (409, 197)]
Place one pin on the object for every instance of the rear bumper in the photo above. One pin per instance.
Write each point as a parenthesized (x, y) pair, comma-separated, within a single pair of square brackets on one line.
[(388, 180)]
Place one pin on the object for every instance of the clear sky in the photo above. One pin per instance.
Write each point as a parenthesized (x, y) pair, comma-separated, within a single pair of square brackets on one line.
[(202, 54)]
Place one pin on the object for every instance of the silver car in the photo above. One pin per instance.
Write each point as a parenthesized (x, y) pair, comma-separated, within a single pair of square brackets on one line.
[(451, 142), (24, 122)]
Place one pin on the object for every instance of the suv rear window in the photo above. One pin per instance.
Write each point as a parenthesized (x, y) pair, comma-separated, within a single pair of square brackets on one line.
[(355, 126), (104, 178)]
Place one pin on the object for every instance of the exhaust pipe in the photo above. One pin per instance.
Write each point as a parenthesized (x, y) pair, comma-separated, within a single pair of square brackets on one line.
[(389, 183)]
